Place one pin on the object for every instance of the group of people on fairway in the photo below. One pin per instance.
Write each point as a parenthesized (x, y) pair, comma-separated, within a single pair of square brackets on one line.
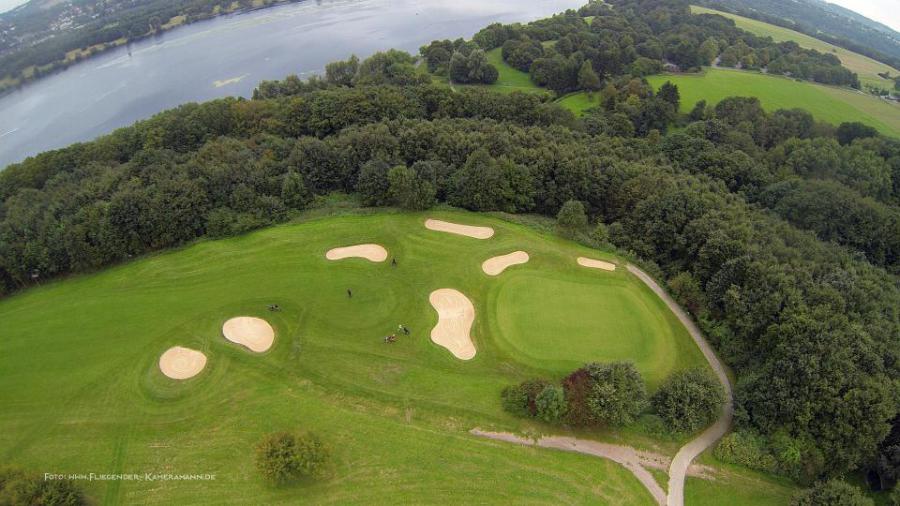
[(393, 337)]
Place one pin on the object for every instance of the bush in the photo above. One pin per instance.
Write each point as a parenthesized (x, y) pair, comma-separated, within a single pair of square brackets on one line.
[(745, 449), (611, 394), (689, 400), (571, 216), (521, 399), (550, 404), (831, 493), (515, 400), (282, 457), (20, 487), (408, 191)]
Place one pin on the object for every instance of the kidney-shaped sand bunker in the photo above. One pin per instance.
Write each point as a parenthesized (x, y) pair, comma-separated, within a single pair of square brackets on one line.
[(455, 316), (181, 363), (456, 228), (495, 265), (371, 252), (596, 264), (254, 333)]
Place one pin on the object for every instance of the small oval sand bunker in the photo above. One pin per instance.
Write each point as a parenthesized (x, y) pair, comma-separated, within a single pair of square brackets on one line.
[(254, 333), (455, 317), (371, 252), (456, 228), (596, 264), (181, 363), (495, 265)]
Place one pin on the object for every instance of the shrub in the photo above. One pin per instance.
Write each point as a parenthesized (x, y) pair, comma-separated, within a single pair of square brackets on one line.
[(689, 400), (550, 403), (20, 487), (571, 216), (746, 449), (515, 400), (282, 457), (408, 191), (831, 493), (612, 394), (521, 399)]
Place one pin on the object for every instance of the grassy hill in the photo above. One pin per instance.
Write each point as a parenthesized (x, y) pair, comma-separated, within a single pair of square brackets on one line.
[(81, 357), (867, 68), (826, 103)]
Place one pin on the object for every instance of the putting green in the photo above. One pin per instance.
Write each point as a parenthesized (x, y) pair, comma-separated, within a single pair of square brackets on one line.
[(546, 319), (80, 379)]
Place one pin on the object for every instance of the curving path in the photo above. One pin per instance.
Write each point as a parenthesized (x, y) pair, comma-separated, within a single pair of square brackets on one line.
[(679, 466), (637, 461)]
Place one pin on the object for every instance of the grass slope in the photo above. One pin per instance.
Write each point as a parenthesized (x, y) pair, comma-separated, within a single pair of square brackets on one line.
[(509, 80), (867, 68), (826, 103), (82, 392)]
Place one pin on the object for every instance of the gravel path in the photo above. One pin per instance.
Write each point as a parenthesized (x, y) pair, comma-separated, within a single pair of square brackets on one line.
[(639, 461), (633, 460), (689, 452)]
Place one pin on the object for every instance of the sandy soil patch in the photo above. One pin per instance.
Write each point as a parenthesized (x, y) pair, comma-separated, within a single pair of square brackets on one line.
[(495, 265), (254, 333), (371, 252), (455, 228), (181, 363), (596, 264), (455, 316)]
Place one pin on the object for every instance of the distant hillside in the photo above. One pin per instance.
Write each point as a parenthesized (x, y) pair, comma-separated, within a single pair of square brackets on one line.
[(870, 71), (826, 21)]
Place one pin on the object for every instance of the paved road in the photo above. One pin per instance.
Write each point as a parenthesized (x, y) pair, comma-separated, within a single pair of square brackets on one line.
[(687, 453)]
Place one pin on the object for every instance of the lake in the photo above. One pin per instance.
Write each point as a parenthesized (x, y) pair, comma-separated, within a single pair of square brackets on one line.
[(228, 56)]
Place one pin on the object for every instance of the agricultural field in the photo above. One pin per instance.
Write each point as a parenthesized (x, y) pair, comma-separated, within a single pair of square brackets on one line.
[(866, 68), (83, 356)]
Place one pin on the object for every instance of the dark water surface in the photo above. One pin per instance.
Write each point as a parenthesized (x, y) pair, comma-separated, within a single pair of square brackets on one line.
[(229, 56)]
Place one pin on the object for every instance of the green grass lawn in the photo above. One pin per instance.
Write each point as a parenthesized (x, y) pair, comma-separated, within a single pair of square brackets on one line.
[(82, 392), (580, 101), (508, 81), (734, 485), (511, 79), (867, 68), (826, 103), (597, 316)]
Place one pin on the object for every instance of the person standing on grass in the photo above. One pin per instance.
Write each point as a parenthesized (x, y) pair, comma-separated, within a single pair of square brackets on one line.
[(349, 293), (393, 262)]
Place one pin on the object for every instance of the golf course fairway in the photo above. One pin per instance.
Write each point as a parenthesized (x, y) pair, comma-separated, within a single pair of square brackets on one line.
[(81, 356)]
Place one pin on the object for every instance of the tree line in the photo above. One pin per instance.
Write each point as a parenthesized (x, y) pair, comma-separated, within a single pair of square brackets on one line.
[(641, 37)]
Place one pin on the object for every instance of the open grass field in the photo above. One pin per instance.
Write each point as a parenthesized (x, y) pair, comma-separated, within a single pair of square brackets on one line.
[(508, 81), (826, 103), (82, 391), (867, 68)]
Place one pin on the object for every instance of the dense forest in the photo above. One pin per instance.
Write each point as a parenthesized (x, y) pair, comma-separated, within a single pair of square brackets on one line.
[(780, 234), (827, 22), (40, 42)]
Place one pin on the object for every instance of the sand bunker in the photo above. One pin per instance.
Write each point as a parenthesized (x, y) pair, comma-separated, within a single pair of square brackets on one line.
[(455, 228), (455, 317), (254, 333), (181, 363), (496, 265), (596, 264), (371, 252)]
